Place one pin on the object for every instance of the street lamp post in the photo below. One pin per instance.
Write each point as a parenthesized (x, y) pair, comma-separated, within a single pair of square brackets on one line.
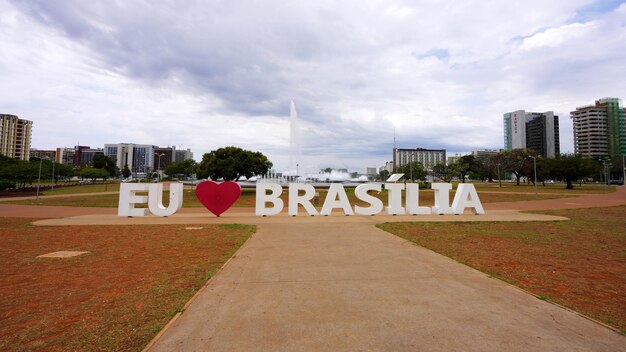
[(52, 190), (297, 172), (623, 170), (39, 178), (499, 179), (159, 168), (605, 169)]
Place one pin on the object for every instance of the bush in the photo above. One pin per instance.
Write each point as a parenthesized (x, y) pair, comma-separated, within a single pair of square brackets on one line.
[(6, 184)]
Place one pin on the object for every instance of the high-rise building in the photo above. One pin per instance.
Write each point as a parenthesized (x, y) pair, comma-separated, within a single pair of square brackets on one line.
[(600, 129), (428, 157), (15, 137), (542, 133), (138, 157), (533, 130)]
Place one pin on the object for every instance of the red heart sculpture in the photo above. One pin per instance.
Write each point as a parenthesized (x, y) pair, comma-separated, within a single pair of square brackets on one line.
[(218, 197)]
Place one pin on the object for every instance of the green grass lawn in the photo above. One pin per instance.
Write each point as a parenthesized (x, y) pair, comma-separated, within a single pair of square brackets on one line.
[(88, 188), (591, 188), (579, 263), (247, 199)]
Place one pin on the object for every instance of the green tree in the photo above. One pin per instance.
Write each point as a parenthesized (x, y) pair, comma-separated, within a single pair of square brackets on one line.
[(517, 161), (126, 171), (413, 171), (101, 161), (444, 172), (465, 165), (184, 168), (94, 173), (571, 168), (230, 163), (62, 171), (20, 172), (384, 175)]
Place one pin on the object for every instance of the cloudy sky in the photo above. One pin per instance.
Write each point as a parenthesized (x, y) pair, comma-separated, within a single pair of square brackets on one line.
[(207, 74)]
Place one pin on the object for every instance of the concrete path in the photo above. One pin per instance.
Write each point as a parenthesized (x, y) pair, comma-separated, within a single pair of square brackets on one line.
[(348, 286)]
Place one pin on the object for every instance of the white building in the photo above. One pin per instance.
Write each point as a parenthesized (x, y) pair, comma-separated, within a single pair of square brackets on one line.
[(182, 155), (428, 157), (388, 167), (138, 157), (371, 171)]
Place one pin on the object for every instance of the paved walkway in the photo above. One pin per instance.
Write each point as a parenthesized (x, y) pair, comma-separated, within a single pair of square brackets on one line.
[(352, 287)]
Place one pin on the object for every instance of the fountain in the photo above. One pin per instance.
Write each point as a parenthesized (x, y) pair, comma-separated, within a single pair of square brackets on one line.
[(294, 139)]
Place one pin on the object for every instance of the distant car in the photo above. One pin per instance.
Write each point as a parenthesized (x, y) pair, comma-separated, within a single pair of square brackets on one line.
[(616, 182)]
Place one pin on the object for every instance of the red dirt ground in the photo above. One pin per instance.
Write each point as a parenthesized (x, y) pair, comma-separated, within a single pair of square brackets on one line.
[(579, 263), (117, 297)]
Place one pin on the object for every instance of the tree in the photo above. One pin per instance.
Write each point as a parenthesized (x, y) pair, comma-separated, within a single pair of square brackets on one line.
[(413, 171), (384, 175), (184, 167), (230, 163), (465, 165), (443, 171), (62, 171), (101, 161), (517, 161), (94, 173), (126, 171), (20, 172), (570, 168)]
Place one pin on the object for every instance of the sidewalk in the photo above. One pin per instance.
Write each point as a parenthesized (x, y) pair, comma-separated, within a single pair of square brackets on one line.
[(350, 286)]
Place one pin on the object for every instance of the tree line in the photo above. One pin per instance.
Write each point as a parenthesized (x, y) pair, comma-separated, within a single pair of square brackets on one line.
[(519, 163), (17, 174)]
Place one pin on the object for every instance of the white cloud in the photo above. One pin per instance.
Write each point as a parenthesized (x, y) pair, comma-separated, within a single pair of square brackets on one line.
[(211, 74), (555, 37)]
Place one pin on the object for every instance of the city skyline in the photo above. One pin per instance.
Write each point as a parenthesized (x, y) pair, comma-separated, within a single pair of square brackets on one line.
[(220, 74)]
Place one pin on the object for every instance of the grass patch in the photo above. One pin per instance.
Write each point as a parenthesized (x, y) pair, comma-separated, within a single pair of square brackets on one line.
[(580, 264), (91, 188), (507, 187), (117, 297)]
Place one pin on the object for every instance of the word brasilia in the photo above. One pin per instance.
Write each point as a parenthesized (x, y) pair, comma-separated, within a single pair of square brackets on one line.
[(302, 194)]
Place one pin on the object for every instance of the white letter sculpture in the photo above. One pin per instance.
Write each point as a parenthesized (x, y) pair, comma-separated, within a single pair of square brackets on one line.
[(376, 205), (394, 205), (442, 198), (413, 199), (262, 198), (129, 198), (155, 199), (305, 200), (466, 197), (336, 198)]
